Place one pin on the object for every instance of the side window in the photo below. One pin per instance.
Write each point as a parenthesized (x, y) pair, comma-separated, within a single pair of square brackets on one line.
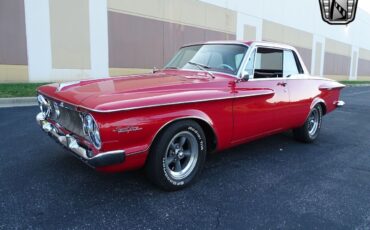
[(290, 64), (268, 63), (249, 69)]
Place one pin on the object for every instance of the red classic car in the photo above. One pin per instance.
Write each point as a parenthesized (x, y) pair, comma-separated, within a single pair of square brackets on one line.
[(209, 97)]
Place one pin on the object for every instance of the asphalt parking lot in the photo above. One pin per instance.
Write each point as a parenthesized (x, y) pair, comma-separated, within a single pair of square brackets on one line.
[(271, 183)]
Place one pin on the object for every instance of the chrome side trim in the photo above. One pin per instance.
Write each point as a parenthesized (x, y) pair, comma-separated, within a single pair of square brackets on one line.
[(167, 104), (331, 87)]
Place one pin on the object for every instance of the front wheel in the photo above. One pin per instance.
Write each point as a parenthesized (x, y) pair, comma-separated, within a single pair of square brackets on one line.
[(309, 132), (177, 155)]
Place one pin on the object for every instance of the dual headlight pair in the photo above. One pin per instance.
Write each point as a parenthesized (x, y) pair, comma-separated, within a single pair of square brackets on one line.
[(89, 125), (48, 108), (91, 129)]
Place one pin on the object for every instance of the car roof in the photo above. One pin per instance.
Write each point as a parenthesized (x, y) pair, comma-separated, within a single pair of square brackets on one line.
[(247, 43), (257, 43)]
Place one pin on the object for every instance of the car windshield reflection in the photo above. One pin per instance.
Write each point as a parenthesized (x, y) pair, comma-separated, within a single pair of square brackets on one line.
[(224, 58)]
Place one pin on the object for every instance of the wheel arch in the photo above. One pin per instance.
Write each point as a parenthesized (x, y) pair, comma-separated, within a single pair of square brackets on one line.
[(321, 102), (205, 124)]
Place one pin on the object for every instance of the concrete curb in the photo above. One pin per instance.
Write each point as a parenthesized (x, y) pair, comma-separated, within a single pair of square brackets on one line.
[(358, 85), (17, 102)]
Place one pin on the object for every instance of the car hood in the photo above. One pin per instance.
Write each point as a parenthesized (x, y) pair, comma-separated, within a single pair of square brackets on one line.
[(140, 90)]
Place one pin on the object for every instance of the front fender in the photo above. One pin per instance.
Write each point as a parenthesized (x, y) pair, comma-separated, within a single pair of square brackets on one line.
[(135, 131)]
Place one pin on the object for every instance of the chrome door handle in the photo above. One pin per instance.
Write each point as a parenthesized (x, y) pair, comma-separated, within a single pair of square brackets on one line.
[(281, 84)]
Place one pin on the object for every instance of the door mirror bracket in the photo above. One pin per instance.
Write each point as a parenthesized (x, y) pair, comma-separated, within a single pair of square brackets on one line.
[(244, 76)]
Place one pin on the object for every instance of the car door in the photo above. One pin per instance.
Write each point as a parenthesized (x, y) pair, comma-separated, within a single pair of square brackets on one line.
[(301, 89), (265, 114)]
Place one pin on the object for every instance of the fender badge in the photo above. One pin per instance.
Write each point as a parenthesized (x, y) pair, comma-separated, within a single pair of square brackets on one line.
[(128, 129)]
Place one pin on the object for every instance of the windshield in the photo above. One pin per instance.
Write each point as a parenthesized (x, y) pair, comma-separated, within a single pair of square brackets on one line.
[(225, 58)]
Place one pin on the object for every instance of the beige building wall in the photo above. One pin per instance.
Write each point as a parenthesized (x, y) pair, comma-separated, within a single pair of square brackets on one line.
[(337, 61), (70, 36), (186, 12), (13, 73), (301, 40), (363, 71), (13, 44), (317, 71), (250, 33), (157, 29)]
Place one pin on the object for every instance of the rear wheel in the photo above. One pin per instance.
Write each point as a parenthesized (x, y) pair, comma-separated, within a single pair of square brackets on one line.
[(177, 155), (311, 128)]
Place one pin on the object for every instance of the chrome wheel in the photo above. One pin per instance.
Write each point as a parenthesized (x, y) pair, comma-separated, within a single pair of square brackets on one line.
[(181, 155), (313, 122)]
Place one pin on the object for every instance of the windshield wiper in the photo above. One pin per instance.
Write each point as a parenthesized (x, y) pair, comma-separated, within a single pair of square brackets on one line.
[(202, 67), (172, 67)]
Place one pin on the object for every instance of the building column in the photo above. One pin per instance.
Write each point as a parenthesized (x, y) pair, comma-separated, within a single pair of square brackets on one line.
[(66, 40), (318, 56), (354, 63), (98, 14), (248, 27), (38, 40)]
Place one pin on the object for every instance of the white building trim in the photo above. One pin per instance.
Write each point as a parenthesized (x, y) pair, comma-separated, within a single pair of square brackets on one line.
[(38, 40), (99, 38)]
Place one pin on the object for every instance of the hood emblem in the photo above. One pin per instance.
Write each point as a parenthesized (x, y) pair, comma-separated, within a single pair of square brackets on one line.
[(66, 84)]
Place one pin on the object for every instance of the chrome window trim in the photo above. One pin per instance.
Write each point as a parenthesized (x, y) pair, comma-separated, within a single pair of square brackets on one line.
[(245, 61), (256, 45), (256, 49)]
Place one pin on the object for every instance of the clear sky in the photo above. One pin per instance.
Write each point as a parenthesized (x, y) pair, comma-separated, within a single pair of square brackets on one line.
[(365, 5)]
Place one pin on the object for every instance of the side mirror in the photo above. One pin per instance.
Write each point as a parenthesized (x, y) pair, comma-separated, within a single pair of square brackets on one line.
[(245, 76), (155, 69)]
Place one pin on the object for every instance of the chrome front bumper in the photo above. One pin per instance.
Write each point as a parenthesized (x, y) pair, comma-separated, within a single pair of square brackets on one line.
[(339, 103), (69, 142)]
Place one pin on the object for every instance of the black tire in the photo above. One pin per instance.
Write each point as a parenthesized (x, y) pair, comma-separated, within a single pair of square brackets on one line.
[(304, 133), (167, 148)]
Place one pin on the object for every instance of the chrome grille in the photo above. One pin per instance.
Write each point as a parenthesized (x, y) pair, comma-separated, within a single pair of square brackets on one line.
[(70, 120)]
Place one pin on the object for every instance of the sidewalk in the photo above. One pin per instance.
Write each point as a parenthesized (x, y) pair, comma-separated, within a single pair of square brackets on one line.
[(17, 102)]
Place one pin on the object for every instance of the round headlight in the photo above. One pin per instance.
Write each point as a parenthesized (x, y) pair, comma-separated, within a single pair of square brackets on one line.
[(44, 105), (56, 110), (91, 129)]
